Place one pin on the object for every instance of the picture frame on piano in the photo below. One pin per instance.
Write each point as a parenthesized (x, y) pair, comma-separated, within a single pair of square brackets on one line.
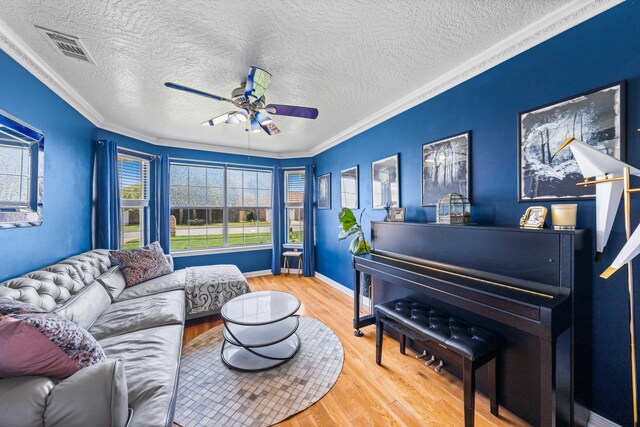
[(534, 217), (397, 214)]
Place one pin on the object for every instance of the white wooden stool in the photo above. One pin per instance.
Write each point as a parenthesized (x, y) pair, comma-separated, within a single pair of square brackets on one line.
[(293, 254)]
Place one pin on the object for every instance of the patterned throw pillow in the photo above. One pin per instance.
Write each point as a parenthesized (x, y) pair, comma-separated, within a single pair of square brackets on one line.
[(45, 344), (140, 265), (155, 246), (12, 306)]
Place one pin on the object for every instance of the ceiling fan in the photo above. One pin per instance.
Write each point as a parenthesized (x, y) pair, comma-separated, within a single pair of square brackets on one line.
[(250, 99)]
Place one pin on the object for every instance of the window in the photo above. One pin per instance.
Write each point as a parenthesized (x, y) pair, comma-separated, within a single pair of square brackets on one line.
[(133, 177), (218, 207), (15, 171), (294, 205)]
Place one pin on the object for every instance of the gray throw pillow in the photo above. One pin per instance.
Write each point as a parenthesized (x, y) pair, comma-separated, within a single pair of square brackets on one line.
[(140, 265), (113, 281)]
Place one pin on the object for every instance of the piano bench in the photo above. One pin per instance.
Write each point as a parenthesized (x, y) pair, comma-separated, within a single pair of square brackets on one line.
[(419, 322)]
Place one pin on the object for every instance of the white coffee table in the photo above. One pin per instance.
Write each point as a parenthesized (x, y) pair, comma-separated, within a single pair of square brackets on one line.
[(260, 330)]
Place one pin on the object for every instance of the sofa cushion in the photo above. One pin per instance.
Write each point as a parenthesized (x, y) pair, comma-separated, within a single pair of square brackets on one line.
[(45, 344), (113, 281), (45, 288), (96, 396), (151, 359), (169, 282), (23, 400), (140, 313), (90, 265), (85, 307), (139, 265)]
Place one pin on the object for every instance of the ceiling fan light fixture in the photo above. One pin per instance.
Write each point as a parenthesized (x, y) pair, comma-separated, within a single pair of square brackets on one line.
[(232, 120), (255, 126), (242, 115)]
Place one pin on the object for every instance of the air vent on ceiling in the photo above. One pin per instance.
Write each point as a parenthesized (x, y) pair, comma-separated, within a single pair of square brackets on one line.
[(70, 46)]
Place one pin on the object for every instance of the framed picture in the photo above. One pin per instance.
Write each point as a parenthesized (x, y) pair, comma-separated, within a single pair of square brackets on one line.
[(534, 217), (324, 191), (397, 214), (445, 168), (349, 188), (385, 182), (596, 118)]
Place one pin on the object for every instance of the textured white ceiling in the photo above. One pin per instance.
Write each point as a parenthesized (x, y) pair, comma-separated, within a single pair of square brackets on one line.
[(348, 59)]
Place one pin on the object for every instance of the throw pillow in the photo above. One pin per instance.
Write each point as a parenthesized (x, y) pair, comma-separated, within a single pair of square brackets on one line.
[(140, 265), (154, 246), (12, 306), (45, 344), (113, 281)]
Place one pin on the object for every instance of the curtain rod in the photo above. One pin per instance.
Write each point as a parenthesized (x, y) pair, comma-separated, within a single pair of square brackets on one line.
[(219, 163)]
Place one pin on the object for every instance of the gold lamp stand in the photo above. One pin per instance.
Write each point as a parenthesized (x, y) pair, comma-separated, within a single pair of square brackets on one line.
[(626, 178)]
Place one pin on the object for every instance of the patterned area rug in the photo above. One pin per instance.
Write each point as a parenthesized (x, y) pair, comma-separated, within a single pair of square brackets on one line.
[(210, 394)]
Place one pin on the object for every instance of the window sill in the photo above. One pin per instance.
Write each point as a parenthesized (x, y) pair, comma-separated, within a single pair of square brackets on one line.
[(212, 251)]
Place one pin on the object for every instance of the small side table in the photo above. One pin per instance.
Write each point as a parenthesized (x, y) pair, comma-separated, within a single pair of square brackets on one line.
[(292, 254)]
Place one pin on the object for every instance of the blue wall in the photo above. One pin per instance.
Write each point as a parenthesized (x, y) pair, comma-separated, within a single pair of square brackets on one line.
[(246, 261), (598, 52), (68, 152)]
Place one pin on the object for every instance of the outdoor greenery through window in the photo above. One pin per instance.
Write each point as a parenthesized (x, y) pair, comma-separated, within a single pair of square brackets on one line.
[(294, 205), (133, 177), (218, 206)]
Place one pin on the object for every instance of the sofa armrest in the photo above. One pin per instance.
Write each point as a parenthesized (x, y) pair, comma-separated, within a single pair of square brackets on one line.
[(170, 259), (23, 400), (95, 396)]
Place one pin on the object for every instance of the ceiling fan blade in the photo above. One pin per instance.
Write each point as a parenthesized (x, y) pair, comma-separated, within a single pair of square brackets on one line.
[(292, 110), (218, 120), (257, 82), (196, 92)]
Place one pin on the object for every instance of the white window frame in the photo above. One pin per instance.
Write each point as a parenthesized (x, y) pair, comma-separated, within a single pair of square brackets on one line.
[(225, 248), (288, 205), (141, 204)]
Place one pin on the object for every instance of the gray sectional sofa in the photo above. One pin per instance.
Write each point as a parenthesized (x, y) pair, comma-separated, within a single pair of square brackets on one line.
[(140, 332)]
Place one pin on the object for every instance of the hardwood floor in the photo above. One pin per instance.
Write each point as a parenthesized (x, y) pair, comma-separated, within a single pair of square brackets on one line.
[(401, 392)]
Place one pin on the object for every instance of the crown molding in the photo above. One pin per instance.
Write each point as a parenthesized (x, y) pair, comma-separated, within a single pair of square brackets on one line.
[(551, 25), (17, 49)]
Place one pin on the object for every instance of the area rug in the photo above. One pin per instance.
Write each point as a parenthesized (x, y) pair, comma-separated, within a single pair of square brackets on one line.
[(209, 393)]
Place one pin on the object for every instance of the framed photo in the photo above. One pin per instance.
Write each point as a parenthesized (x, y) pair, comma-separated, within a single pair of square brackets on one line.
[(596, 118), (445, 168), (349, 188), (534, 217), (385, 182), (324, 191), (397, 214)]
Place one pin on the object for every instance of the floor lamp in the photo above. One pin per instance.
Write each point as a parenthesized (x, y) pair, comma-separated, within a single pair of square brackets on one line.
[(612, 179)]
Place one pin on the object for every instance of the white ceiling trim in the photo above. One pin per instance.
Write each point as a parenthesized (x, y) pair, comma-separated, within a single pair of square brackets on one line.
[(553, 24)]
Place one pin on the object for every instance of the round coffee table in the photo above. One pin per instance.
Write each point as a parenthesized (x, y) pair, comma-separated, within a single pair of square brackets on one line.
[(260, 330)]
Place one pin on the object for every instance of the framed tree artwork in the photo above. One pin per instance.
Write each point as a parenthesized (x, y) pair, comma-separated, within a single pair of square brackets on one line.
[(445, 168), (324, 191), (349, 188), (385, 183), (595, 118)]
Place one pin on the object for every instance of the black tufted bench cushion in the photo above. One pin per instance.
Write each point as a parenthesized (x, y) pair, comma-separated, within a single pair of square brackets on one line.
[(475, 345)]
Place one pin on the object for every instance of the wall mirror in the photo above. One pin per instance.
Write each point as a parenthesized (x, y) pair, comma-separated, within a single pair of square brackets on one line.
[(21, 173)]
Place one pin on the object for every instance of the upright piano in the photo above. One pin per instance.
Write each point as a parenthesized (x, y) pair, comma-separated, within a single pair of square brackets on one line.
[(533, 287)]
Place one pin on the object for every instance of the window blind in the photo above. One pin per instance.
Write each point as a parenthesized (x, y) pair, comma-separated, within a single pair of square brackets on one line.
[(133, 177), (294, 188)]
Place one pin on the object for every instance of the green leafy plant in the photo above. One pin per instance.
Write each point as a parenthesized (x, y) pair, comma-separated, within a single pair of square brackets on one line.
[(349, 226)]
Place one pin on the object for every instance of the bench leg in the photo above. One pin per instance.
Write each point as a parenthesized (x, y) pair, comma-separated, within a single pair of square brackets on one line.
[(403, 343), (379, 334), (299, 266), (493, 391), (469, 380)]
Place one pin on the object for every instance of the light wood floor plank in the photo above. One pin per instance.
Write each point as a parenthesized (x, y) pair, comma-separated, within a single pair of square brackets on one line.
[(402, 392)]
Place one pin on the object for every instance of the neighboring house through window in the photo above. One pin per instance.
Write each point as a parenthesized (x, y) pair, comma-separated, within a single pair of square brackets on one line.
[(294, 205), (133, 178), (219, 206)]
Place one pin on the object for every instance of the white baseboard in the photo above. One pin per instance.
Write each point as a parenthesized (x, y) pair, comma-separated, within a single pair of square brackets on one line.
[(257, 273), (596, 420), (342, 288)]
